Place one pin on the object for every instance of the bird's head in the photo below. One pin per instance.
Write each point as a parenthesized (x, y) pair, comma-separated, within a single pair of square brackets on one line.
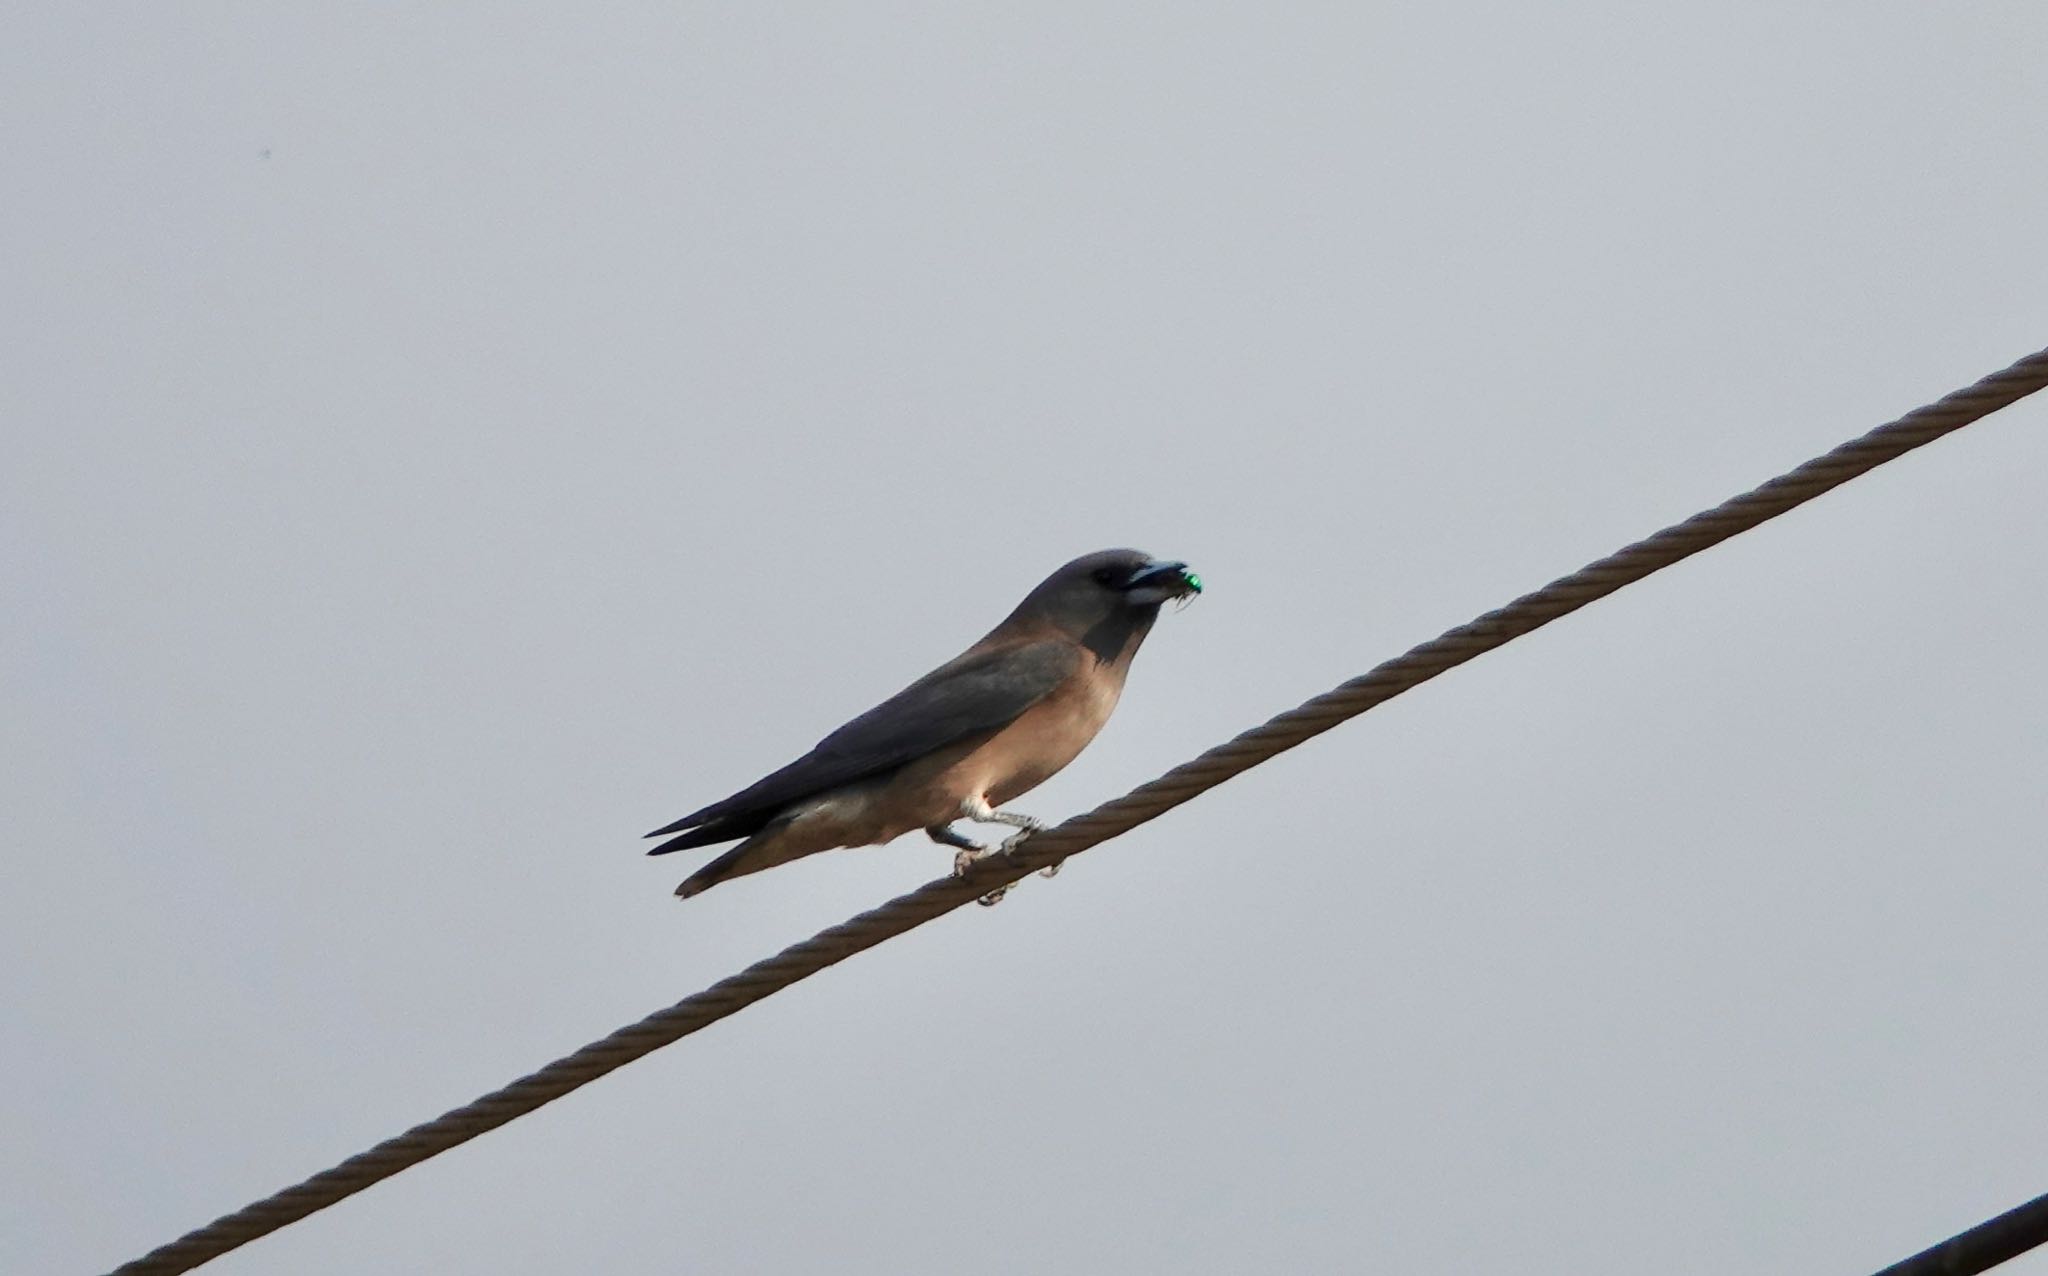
[(1118, 589)]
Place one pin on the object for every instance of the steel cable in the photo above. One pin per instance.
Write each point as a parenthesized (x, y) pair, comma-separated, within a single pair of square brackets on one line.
[(836, 944), (1983, 1247)]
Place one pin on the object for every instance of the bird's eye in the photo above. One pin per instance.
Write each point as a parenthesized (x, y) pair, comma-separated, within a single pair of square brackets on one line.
[(1105, 576)]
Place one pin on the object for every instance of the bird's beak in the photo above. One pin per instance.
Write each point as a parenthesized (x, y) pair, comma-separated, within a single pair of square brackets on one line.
[(1157, 582)]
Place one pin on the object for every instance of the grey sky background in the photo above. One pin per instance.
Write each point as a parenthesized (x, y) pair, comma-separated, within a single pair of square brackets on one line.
[(443, 444)]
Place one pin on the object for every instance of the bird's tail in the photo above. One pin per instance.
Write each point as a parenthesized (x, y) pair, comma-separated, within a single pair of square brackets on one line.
[(726, 865), (775, 844), (709, 833), (692, 840)]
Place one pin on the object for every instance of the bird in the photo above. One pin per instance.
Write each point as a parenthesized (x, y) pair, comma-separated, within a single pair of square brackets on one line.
[(984, 728)]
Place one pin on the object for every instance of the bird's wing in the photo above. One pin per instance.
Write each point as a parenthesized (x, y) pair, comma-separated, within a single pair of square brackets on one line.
[(977, 692)]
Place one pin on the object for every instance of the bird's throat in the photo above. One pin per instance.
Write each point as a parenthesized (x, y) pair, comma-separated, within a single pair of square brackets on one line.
[(1114, 639)]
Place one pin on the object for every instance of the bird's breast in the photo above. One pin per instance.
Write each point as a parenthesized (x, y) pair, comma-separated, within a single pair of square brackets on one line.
[(1013, 760), (1046, 736)]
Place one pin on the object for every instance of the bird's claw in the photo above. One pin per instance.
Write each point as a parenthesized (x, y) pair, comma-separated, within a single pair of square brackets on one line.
[(1012, 843), (1017, 839), (966, 860)]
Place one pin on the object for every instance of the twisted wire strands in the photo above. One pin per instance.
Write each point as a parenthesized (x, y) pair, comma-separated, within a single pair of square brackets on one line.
[(1054, 845)]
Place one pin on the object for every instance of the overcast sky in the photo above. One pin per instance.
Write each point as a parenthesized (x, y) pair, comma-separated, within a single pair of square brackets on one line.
[(443, 443)]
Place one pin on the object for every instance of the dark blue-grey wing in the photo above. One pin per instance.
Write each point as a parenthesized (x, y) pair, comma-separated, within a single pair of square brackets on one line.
[(979, 692)]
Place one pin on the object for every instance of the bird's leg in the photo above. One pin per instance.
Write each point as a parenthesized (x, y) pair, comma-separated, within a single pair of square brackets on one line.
[(1023, 823), (947, 835), (969, 849), (976, 808)]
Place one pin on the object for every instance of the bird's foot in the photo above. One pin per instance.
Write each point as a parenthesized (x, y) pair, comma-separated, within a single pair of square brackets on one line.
[(967, 859), (1018, 839), (1022, 836)]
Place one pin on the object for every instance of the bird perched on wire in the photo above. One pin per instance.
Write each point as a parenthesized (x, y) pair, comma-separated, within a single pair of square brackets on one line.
[(992, 723)]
